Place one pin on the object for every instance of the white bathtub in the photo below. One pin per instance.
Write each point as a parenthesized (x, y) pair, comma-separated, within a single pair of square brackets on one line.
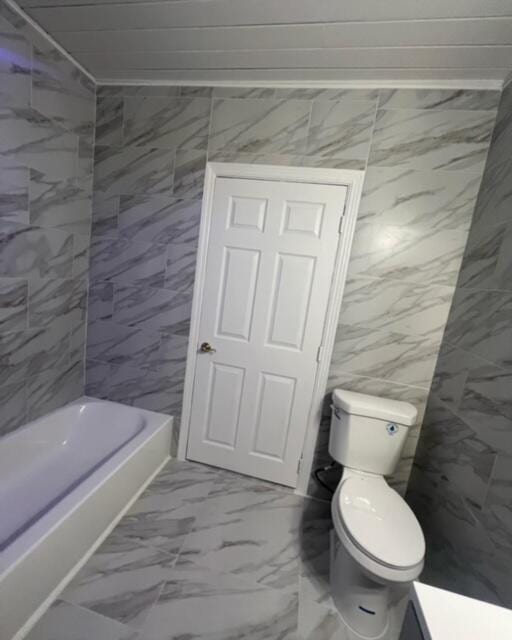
[(65, 481)]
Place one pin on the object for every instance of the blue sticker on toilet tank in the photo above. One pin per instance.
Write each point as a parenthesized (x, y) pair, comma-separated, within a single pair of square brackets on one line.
[(392, 428)]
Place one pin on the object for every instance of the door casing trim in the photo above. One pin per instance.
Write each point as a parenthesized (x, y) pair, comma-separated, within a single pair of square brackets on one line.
[(349, 178)]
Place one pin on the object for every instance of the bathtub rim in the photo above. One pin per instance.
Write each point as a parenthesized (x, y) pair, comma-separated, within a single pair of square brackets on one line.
[(49, 522)]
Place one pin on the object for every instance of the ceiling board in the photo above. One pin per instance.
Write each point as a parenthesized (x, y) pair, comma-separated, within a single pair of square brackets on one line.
[(462, 41)]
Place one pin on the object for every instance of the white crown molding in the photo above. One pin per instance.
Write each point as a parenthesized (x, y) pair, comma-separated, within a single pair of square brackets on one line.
[(453, 84), (17, 9), (464, 83)]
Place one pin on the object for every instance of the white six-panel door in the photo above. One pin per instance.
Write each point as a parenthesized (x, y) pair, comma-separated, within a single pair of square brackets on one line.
[(271, 253)]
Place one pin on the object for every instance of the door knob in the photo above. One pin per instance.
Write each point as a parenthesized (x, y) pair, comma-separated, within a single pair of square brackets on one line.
[(206, 347)]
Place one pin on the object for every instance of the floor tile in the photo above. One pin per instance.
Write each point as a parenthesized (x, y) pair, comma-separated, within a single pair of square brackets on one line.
[(64, 621), (204, 605), (121, 581)]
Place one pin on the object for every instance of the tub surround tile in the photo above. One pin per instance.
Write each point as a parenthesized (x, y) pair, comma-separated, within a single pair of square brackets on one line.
[(439, 99), (13, 304), (166, 123), (160, 390), (14, 188), (61, 204), (65, 621), (341, 129), (259, 126), (287, 159), (423, 139), (13, 406), (97, 379), (116, 344), (50, 300), (195, 92), (54, 388), (26, 353), (495, 195), (15, 67), (429, 200)]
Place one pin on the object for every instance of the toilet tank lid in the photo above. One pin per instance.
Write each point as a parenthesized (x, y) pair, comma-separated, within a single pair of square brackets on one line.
[(361, 404)]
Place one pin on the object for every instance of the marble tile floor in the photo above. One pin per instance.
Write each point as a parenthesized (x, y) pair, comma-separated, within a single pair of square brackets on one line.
[(205, 554)]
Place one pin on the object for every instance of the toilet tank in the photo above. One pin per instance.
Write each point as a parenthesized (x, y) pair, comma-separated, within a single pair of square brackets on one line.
[(368, 433)]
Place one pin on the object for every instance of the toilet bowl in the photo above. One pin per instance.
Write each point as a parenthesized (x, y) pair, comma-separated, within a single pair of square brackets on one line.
[(377, 546)]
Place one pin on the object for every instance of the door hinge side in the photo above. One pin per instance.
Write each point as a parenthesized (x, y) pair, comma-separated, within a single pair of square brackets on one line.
[(299, 463), (320, 353)]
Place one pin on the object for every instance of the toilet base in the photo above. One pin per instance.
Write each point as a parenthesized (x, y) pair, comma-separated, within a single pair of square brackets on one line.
[(363, 604)]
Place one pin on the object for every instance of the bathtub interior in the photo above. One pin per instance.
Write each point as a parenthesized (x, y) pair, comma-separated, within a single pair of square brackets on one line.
[(46, 460)]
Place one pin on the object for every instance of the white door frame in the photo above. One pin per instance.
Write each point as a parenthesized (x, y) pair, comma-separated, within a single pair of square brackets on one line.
[(353, 180)]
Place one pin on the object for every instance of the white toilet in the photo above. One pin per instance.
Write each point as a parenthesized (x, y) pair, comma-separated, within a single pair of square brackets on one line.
[(377, 545)]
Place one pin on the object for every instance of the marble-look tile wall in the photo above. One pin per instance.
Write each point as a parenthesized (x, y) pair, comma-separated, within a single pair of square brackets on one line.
[(461, 485), (423, 153), (46, 151)]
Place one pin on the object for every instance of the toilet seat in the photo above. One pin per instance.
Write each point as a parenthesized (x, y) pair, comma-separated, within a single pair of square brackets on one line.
[(378, 528)]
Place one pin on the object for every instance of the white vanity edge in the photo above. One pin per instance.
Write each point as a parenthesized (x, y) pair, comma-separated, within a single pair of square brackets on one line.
[(444, 615)]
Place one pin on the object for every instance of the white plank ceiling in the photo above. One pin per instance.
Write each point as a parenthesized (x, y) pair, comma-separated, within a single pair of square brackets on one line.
[(464, 42)]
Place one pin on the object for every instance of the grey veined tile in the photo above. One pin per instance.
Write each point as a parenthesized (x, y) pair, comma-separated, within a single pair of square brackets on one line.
[(116, 344), (32, 351), (166, 123), (409, 308), (13, 406), (133, 170), (65, 621), (205, 605), (15, 77), (341, 129), (441, 99), (407, 253), (125, 260), (429, 199), (151, 308), (385, 354), (423, 139), (34, 252), (181, 266), (60, 204), (60, 91), (158, 219), (189, 172), (259, 126), (38, 142), (109, 121), (13, 304), (14, 183), (121, 584)]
